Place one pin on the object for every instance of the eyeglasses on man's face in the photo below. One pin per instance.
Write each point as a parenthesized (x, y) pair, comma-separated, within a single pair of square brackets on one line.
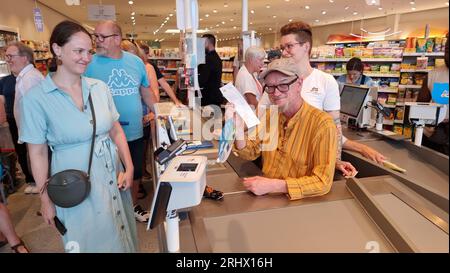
[(101, 37), (283, 87), (10, 56)]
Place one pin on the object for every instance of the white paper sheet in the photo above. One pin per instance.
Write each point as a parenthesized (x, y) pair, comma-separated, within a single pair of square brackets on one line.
[(240, 105)]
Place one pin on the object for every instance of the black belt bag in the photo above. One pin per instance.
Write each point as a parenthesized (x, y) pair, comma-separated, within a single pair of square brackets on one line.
[(69, 188)]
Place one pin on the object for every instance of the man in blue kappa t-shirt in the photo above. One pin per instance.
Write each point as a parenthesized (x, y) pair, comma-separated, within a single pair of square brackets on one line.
[(126, 77)]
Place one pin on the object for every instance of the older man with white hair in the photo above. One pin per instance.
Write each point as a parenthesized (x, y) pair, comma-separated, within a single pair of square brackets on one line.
[(20, 59), (246, 81)]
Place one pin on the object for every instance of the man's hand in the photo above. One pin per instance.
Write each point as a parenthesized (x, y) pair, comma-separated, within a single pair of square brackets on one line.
[(147, 118), (346, 168), (230, 113), (371, 154), (261, 185)]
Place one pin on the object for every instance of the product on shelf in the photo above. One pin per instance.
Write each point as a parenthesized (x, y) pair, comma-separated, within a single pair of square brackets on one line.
[(425, 45), (429, 45), (395, 67), (421, 45), (401, 95), (422, 63), (385, 68), (392, 99), (227, 77), (398, 129), (419, 79), (227, 64), (406, 78), (399, 112), (166, 53), (407, 131), (439, 63), (227, 52)]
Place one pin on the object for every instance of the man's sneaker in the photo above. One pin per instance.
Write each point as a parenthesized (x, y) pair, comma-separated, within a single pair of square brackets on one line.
[(140, 214), (31, 189)]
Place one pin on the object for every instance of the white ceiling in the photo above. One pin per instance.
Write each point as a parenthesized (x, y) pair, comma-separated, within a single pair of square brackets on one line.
[(226, 23)]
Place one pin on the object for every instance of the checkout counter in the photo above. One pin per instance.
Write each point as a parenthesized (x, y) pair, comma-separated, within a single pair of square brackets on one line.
[(378, 211)]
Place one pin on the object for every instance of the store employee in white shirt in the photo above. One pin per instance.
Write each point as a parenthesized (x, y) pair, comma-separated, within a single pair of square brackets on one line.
[(20, 59), (246, 82)]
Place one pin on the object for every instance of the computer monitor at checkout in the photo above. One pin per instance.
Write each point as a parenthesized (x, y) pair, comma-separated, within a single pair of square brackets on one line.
[(352, 100)]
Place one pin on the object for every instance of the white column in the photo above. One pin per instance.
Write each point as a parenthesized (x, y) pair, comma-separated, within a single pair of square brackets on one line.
[(244, 15)]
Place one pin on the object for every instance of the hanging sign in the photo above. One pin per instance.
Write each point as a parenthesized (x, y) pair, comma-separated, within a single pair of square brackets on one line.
[(38, 22), (101, 12)]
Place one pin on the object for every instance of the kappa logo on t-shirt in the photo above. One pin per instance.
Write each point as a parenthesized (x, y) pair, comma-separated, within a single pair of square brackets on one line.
[(122, 84), (314, 90)]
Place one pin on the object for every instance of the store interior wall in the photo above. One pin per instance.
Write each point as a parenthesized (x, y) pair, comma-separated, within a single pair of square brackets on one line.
[(19, 14), (411, 24)]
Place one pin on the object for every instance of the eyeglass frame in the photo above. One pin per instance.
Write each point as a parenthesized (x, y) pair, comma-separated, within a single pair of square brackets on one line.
[(101, 38), (288, 86), (290, 46), (10, 56)]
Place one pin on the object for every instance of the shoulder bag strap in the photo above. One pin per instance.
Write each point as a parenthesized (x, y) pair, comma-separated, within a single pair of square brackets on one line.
[(93, 133)]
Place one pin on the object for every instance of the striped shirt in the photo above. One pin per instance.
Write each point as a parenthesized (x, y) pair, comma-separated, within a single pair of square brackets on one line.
[(305, 152)]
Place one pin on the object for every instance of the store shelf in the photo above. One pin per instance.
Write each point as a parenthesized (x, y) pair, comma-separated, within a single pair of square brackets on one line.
[(227, 70), (398, 121), (388, 90), (410, 86), (367, 60), (165, 58), (388, 122), (388, 105), (416, 70), (419, 54), (170, 69), (336, 74), (382, 75)]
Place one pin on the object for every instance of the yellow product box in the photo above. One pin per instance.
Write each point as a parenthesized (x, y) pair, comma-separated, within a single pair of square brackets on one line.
[(398, 129), (407, 131), (405, 66), (348, 52), (384, 68), (367, 52)]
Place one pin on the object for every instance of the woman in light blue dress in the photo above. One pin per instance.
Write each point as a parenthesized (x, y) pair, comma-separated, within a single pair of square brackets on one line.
[(56, 114)]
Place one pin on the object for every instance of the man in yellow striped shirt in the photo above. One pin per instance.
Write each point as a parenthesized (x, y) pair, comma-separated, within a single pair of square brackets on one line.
[(302, 162)]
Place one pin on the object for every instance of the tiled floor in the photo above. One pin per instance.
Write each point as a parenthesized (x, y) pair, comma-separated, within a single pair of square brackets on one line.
[(39, 237)]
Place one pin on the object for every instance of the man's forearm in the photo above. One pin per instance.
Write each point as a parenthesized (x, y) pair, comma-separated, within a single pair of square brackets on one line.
[(337, 121), (168, 89), (339, 138), (148, 97)]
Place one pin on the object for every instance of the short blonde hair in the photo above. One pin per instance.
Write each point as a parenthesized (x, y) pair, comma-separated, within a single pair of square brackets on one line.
[(133, 48)]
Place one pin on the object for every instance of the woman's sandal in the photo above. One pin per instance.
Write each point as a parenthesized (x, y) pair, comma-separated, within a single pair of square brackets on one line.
[(16, 247)]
